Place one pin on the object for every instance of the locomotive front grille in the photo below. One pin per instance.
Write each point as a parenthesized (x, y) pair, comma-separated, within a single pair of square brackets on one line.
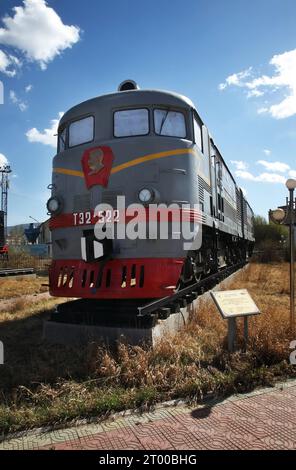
[(131, 275), (118, 278)]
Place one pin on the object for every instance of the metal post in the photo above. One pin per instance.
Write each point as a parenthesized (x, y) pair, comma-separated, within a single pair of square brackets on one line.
[(292, 288), (231, 334), (246, 332)]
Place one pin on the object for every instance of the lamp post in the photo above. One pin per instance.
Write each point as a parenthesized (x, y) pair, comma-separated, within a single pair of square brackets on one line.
[(291, 185), (287, 217)]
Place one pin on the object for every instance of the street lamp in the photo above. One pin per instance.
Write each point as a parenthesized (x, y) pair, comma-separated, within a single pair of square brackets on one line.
[(277, 215), (291, 185)]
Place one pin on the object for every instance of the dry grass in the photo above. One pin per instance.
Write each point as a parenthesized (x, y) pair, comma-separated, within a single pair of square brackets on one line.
[(11, 287), (44, 384)]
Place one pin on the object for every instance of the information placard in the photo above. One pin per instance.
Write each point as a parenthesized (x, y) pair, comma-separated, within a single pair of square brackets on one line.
[(235, 303)]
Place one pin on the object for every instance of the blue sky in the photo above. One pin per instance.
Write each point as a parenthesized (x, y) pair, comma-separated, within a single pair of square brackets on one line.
[(235, 59)]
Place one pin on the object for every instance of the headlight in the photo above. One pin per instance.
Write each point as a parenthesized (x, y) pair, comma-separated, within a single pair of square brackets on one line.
[(54, 205), (146, 195)]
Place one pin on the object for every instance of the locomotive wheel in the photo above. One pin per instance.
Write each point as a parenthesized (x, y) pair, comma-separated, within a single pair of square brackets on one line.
[(190, 273)]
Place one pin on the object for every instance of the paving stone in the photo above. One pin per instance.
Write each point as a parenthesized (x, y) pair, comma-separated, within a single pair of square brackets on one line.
[(66, 445), (262, 420), (89, 430), (277, 443)]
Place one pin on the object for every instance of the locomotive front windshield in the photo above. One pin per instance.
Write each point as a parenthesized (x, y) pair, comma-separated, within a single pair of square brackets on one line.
[(169, 123), (135, 122), (131, 122)]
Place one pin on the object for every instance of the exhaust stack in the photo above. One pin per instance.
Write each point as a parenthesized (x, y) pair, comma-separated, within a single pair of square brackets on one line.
[(127, 85)]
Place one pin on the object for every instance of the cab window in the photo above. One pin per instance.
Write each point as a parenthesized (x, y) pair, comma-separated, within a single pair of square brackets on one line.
[(197, 133), (169, 123), (81, 132), (62, 135), (131, 122)]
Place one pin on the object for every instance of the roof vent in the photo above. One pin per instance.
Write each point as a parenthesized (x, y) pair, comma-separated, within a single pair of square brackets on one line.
[(128, 85)]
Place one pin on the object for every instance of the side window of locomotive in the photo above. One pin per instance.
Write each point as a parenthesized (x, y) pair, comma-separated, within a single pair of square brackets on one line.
[(169, 123), (81, 132), (197, 133), (62, 135), (131, 122)]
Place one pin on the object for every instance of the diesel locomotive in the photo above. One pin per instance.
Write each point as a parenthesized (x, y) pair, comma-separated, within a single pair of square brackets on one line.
[(150, 147)]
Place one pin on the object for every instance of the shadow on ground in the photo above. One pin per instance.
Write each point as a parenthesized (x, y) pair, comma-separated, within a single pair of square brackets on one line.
[(29, 360)]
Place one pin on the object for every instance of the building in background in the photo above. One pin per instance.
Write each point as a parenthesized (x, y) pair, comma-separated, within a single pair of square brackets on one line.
[(32, 238)]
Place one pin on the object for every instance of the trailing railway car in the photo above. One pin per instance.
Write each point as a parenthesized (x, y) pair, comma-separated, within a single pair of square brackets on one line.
[(150, 147), (3, 245)]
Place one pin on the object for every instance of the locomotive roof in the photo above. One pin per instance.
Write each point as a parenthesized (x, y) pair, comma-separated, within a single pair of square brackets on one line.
[(128, 98), (133, 98)]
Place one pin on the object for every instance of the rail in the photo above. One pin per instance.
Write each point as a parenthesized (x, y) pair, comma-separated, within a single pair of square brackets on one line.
[(16, 272), (188, 294)]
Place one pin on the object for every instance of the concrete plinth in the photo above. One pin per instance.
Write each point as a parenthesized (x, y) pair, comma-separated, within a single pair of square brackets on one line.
[(70, 333)]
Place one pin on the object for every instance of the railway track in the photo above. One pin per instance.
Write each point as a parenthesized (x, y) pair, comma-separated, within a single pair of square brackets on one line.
[(186, 295), (16, 272), (129, 312)]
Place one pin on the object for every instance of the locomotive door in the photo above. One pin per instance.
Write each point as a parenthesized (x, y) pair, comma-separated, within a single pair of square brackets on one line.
[(214, 180), (220, 203)]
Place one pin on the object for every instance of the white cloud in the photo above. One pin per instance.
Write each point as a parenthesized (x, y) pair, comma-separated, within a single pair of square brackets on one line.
[(236, 79), (17, 101), (256, 93), (3, 160), (222, 86), (262, 178), (239, 164), (8, 64), (274, 166), (12, 96), (283, 79), (271, 178), (23, 106), (47, 136), (262, 110), (28, 88), (38, 31), (245, 175), (270, 175), (267, 152)]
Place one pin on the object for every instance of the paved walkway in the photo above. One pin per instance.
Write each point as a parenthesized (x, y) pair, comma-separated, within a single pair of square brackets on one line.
[(264, 419)]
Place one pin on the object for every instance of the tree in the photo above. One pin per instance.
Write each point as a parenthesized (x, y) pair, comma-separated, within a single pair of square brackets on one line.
[(271, 240), (264, 231)]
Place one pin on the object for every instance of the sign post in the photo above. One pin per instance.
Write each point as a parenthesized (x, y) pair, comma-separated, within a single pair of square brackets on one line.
[(231, 305)]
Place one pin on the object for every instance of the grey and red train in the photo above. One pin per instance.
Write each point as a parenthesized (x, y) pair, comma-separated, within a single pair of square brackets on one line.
[(151, 147)]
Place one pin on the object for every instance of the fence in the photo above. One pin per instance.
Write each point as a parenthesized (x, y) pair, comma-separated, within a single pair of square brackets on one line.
[(20, 260), (270, 254)]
